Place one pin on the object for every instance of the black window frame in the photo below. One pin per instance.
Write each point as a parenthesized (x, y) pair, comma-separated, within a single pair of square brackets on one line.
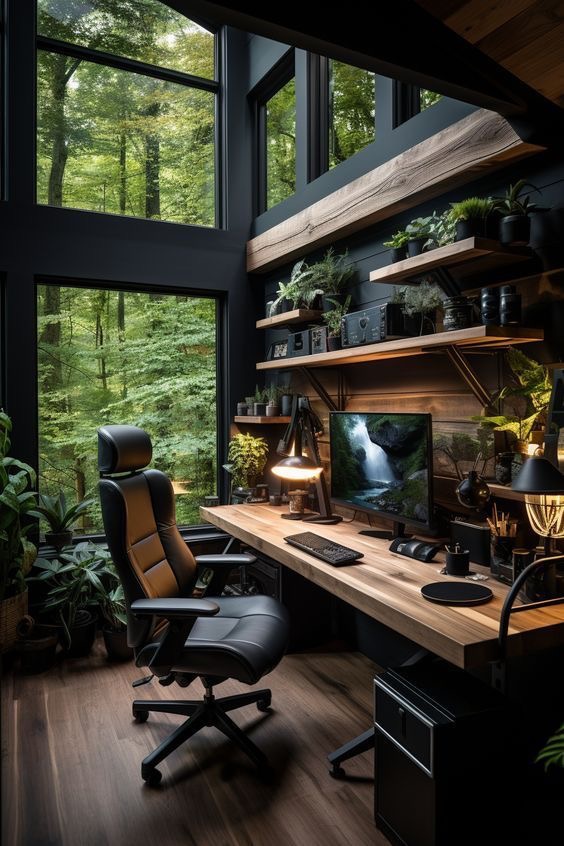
[(406, 102), (123, 63), (278, 76)]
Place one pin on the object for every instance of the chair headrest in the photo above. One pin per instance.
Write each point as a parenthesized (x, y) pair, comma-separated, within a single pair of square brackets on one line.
[(123, 448)]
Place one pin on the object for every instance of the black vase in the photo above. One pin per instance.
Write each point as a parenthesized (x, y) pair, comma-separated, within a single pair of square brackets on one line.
[(473, 491), (286, 405), (515, 229)]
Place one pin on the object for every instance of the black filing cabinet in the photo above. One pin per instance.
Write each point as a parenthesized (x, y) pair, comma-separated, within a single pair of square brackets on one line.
[(440, 755)]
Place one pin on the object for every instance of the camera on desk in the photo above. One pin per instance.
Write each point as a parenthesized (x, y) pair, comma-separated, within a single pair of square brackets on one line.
[(379, 323)]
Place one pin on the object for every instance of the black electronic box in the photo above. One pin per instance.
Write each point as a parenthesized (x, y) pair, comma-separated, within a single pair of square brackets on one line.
[(299, 344), (379, 323)]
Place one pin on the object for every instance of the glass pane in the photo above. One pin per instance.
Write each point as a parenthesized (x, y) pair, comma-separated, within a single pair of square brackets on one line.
[(145, 30), (428, 98), (119, 142), (120, 357), (281, 145), (351, 110)]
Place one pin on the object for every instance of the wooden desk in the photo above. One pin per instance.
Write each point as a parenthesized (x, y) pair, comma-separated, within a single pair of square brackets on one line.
[(387, 587)]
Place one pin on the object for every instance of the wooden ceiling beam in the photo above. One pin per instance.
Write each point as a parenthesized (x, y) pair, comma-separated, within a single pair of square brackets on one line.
[(458, 154)]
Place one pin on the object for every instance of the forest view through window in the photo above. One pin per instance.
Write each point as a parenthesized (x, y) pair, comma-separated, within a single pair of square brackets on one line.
[(131, 132), (125, 357), (281, 144), (351, 110)]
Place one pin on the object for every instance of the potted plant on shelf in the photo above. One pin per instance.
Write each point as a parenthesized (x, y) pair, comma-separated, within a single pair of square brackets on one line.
[(297, 292), (247, 456), (260, 400), (421, 302), (250, 401), (515, 207), (17, 553), (398, 245), (74, 581), (242, 408), (332, 275), (441, 230), (334, 319), (470, 217), (59, 517), (273, 406), (418, 232)]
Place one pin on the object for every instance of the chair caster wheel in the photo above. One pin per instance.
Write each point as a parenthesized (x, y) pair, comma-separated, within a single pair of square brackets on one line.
[(140, 716), (264, 704), (337, 772), (151, 776)]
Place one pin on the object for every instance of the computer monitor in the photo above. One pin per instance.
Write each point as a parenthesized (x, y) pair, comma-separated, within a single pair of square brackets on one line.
[(382, 464)]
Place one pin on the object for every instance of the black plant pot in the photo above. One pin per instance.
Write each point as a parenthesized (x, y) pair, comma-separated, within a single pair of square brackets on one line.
[(329, 300), (515, 229), (398, 253), (333, 343), (115, 641), (470, 229), (286, 405), (415, 246), (259, 409), (82, 635), (417, 324), (58, 540), (283, 306)]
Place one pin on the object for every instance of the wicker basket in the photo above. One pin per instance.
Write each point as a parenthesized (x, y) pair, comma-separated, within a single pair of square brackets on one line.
[(11, 612)]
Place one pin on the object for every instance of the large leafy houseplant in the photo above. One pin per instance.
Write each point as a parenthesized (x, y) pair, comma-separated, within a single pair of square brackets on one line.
[(59, 516), (332, 273), (17, 553), (529, 392), (299, 290), (247, 456)]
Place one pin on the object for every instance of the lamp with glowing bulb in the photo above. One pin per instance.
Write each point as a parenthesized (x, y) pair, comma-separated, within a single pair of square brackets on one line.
[(543, 486), (296, 467)]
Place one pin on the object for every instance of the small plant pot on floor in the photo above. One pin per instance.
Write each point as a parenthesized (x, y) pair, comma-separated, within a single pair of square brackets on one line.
[(82, 635), (115, 641), (38, 650)]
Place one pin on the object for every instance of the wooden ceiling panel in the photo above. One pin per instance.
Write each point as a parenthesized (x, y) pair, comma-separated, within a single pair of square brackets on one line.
[(525, 36)]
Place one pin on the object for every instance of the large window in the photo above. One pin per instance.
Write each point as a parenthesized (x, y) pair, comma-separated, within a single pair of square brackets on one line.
[(126, 110), (351, 110), (148, 359)]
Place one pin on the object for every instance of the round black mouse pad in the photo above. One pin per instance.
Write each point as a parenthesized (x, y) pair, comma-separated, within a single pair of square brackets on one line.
[(456, 593)]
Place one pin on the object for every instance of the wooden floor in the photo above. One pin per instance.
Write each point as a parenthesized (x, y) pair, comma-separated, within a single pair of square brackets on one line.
[(71, 759)]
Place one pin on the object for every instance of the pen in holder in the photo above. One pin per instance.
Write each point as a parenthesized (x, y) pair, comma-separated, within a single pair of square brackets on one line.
[(503, 540), (457, 561)]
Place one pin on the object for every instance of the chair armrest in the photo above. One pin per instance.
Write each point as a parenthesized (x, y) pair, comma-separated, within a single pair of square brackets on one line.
[(229, 561), (174, 607)]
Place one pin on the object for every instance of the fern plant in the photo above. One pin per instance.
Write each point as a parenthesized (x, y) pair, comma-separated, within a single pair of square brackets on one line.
[(553, 753), (247, 456)]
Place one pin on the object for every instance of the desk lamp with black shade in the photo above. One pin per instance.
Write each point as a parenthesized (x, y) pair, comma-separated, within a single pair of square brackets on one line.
[(303, 429)]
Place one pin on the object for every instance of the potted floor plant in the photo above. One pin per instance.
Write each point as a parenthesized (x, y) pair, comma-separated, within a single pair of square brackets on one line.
[(17, 553), (333, 319), (111, 601), (74, 582), (247, 459), (60, 517)]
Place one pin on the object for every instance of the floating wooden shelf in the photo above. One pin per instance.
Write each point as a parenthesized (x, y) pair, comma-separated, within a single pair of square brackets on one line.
[(247, 418), (475, 336), (445, 485), (287, 318), (463, 259)]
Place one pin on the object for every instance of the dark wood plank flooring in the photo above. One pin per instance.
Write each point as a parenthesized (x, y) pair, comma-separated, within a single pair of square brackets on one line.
[(71, 758)]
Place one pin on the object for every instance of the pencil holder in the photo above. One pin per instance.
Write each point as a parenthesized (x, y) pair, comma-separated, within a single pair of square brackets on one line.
[(501, 556), (458, 563)]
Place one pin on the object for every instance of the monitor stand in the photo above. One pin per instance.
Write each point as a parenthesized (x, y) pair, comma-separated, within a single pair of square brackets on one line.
[(398, 531)]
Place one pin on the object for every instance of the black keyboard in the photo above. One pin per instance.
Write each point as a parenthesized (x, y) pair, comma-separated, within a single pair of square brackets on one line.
[(327, 550)]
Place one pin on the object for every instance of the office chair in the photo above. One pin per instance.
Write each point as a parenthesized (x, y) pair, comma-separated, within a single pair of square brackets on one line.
[(177, 637)]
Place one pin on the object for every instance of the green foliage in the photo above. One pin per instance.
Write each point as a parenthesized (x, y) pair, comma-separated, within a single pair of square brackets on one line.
[(332, 273), (115, 357), (347, 474), (115, 141), (248, 458), (473, 208), (58, 516), (422, 298), (530, 389), (514, 202), (428, 98), (334, 317), (441, 230), (399, 239), (419, 227), (17, 553), (281, 145), (553, 753), (111, 600), (300, 290), (274, 393), (460, 447), (351, 109), (75, 581)]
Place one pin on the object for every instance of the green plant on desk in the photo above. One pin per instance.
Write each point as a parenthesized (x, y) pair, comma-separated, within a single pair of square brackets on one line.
[(247, 456)]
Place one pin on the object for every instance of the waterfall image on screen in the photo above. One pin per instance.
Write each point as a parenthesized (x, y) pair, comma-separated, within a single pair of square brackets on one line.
[(380, 462)]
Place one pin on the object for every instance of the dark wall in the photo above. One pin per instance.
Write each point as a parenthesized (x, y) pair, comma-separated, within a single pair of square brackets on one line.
[(69, 246)]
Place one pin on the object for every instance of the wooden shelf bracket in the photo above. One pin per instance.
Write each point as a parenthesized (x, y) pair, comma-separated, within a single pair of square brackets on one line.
[(308, 374)]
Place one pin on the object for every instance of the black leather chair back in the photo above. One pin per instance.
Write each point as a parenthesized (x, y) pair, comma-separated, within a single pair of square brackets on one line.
[(139, 517)]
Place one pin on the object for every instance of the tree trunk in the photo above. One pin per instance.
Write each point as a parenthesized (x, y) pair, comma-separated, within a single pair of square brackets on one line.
[(122, 175), (50, 338), (152, 167), (61, 71)]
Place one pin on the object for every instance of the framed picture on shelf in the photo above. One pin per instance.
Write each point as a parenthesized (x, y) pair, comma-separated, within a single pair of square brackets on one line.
[(277, 350)]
